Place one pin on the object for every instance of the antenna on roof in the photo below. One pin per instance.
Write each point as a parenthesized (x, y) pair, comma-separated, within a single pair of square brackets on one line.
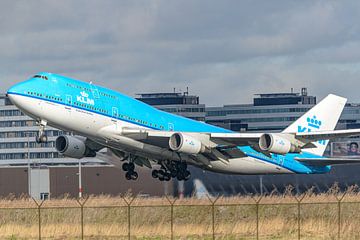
[(303, 91)]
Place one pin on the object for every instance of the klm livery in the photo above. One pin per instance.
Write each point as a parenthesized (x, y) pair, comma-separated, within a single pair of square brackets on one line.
[(139, 134)]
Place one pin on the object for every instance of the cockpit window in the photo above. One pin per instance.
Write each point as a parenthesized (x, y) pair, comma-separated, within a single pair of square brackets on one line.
[(40, 76)]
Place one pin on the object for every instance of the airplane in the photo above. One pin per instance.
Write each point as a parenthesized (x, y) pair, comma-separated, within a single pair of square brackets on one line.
[(139, 134)]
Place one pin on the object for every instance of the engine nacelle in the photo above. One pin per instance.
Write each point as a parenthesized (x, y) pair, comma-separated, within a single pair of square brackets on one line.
[(180, 142), (73, 147), (276, 143)]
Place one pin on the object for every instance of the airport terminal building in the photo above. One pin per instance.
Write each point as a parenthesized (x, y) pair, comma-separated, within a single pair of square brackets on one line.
[(274, 112)]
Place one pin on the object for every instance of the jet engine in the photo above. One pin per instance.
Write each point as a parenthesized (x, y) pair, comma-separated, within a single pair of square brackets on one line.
[(275, 143), (180, 142), (73, 147)]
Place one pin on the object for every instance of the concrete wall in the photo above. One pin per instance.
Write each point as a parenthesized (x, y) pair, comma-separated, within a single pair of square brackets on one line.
[(96, 180), (13, 181)]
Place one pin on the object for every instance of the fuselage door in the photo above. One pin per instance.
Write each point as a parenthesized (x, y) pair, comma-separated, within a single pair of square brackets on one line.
[(94, 91), (115, 112), (68, 100)]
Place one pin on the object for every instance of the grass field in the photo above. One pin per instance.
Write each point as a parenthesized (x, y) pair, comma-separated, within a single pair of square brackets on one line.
[(106, 217)]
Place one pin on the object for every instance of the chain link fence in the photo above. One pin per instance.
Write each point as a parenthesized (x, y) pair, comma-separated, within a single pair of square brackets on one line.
[(327, 216)]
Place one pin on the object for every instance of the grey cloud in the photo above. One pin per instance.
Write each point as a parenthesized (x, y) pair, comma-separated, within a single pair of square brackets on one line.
[(225, 51)]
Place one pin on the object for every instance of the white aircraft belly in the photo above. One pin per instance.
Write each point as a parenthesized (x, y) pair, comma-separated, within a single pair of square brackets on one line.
[(247, 165)]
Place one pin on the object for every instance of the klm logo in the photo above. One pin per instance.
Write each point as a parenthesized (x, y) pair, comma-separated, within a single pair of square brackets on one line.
[(312, 123), (84, 98)]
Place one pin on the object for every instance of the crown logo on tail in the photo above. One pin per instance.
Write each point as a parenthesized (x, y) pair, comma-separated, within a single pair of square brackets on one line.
[(313, 122)]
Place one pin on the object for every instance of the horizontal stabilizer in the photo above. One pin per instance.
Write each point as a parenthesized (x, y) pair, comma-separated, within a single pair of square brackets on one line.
[(320, 135), (320, 162)]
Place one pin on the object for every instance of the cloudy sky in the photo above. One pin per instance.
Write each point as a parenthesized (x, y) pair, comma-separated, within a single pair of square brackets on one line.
[(224, 51)]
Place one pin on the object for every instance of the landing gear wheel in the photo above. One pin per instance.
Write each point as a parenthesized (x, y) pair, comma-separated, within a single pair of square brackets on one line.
[(155, 173), (128, 176), (41, 138), (173, 174), (125, 167), (131, 175), (131, 166), (134, 175), (37, 139), (161, 172), (167, 178), (180, 177)]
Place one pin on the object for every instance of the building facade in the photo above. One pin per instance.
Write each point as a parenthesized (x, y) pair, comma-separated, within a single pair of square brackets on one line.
[(268, 112), (181, 104), (274, 112)]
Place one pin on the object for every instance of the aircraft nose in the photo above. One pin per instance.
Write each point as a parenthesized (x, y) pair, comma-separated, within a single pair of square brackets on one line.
[(14, 91), (11, 93)]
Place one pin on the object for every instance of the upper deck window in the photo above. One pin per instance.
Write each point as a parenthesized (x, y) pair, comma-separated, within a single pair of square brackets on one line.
[(40, 76)]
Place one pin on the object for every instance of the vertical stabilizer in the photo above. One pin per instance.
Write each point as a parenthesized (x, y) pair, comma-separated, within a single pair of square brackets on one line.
[(322, 117)]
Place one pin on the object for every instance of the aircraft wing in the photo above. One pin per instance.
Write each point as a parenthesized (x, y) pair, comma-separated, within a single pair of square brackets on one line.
[(237, 139), (223, 146), (325, 135), (321, 162), (225, 139)]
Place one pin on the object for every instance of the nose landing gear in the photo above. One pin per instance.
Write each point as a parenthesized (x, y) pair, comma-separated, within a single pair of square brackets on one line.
[(41, 136)]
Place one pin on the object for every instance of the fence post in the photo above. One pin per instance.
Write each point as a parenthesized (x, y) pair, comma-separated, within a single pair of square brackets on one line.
[(299, 200), (339, 199), (172, 215), (81, 204), (39, 214), (213, 214), (257, 202), (128, 203)]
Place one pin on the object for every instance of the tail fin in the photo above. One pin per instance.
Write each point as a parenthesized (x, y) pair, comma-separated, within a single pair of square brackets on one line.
[(200, 190), (322, 117)]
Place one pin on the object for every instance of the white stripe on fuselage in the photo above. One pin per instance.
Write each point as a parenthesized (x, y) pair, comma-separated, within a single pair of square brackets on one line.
[(89, 124)]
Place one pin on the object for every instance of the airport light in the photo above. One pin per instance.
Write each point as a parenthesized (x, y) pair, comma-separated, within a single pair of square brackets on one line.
[(29, 167), (80, 183)]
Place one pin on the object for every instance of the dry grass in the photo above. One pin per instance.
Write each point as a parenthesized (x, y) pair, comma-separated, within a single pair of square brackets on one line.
[(235, 218)]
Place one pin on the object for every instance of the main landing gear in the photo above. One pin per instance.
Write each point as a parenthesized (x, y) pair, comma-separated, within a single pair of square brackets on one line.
[(172, 169), (129, 168), (41, 136)]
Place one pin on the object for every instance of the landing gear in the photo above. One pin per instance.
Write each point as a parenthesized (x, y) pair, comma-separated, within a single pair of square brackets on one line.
[(131, 175), (129, 168), (41, 136), (172, 169)]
